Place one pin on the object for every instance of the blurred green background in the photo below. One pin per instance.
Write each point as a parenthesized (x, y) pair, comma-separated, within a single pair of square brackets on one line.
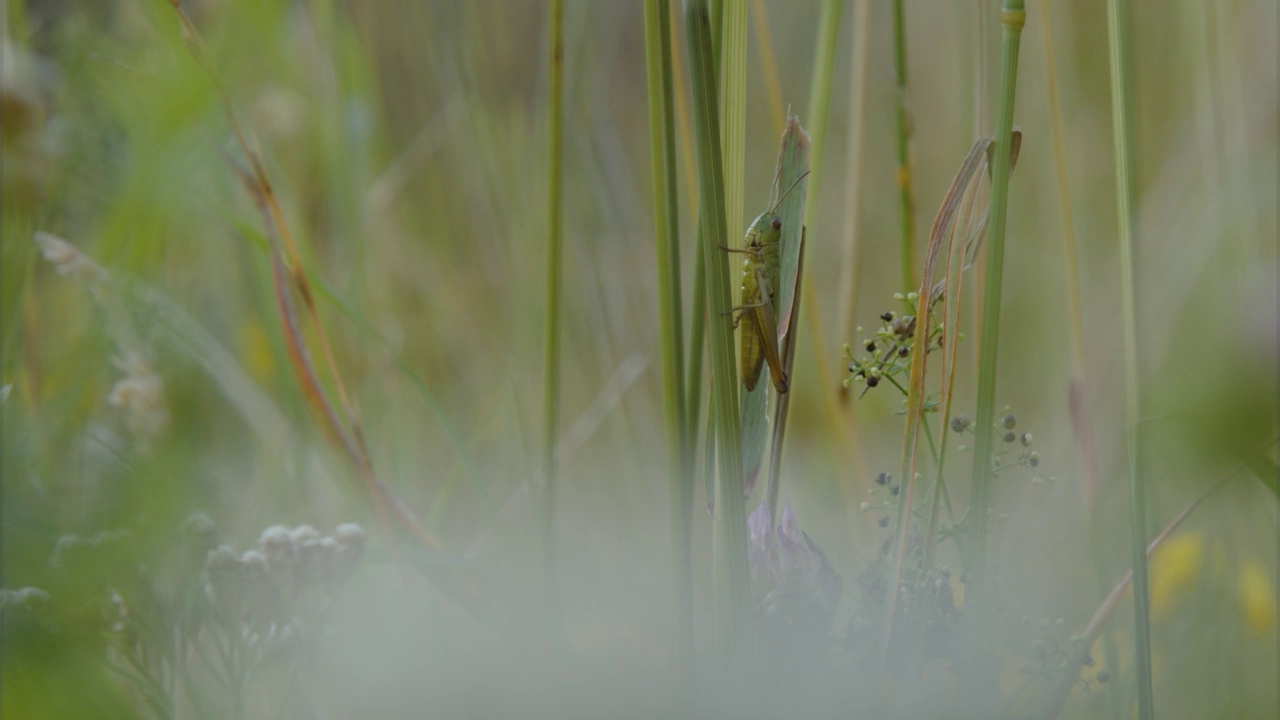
[(406, 142)]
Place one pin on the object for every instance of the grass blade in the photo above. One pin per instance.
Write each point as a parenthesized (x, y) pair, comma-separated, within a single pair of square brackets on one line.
[(729, 552), (662, 155)]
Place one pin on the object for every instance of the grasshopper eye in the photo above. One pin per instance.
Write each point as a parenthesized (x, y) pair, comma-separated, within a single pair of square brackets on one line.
[(777, 224)]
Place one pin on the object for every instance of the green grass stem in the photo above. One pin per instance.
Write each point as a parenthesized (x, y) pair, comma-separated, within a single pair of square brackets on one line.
[(983, 681), (1119, 49), (1012, 19), (906, 193)]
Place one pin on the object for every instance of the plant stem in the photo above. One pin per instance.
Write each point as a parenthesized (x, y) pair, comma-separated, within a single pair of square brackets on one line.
[(1122, 132)]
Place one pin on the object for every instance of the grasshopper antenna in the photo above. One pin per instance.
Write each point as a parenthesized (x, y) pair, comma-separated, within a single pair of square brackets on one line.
[(788, 192)]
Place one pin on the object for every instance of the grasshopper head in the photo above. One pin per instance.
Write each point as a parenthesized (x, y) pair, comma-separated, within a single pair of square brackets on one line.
[(766, 230)]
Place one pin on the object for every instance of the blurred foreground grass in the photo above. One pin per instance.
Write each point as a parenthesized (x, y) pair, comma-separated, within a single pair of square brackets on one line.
[(406, 143)]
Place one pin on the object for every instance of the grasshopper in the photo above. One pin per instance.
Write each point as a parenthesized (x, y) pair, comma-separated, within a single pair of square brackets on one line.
[(759, 288)]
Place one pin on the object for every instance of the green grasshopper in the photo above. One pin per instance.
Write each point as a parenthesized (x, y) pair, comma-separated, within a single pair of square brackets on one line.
[(759, 287)]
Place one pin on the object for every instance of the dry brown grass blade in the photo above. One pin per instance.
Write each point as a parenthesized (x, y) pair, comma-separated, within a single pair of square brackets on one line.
[(916, 389), (950, 342), (973, 245)]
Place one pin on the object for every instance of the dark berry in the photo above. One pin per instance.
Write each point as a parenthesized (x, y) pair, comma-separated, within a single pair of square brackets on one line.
[(895, 489), (1008, 422), (1102, 677), (1010, 437), (871, 346), (884, 521), (1087, 660), (873, 381), (882, 479), (887, 316), (904, 351)]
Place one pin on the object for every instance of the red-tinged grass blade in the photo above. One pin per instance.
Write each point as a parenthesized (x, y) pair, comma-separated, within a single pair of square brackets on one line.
[(916, 389), (287, 269)]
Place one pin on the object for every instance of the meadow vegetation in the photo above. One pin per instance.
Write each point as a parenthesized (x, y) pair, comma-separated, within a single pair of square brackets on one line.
[(380, 359)]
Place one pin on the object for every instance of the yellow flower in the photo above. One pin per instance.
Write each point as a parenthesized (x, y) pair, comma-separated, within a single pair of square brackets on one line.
[(1257, 598), (1174, 569)]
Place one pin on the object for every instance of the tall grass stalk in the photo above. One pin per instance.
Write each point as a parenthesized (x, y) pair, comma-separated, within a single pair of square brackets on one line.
[(662, 158), (729, 553), (551, 361), (848, 298), (983, 681), (820, 90), (906, 193), (1012, 18), (1118, 48)]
